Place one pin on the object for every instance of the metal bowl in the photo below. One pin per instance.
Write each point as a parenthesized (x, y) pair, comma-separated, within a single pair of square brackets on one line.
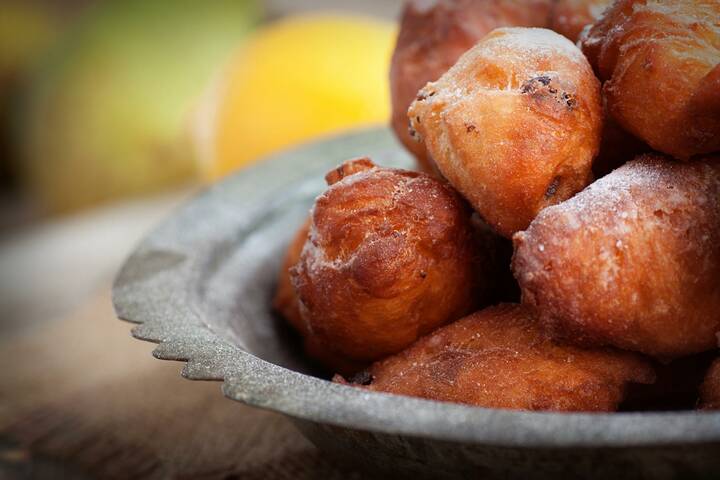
[(201, 284)]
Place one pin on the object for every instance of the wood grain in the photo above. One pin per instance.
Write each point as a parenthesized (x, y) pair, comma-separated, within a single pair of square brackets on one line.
[(81, 393)]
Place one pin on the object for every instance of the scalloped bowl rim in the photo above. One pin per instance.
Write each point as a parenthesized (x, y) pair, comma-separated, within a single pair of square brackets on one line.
[(182, 336)]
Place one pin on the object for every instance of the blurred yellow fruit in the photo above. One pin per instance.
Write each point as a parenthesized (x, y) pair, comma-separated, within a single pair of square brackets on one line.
[(293, 80)]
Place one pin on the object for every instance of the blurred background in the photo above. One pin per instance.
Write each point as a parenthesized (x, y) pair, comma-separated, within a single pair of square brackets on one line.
[(112, 112)]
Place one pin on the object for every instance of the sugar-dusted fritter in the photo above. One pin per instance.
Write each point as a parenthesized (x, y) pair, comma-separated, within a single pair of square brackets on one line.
[(570, 17), (710, 389), (287, 304), (660, 63), (500, 358), (390, 257), (632, 261), (433, 35), (514, 125)]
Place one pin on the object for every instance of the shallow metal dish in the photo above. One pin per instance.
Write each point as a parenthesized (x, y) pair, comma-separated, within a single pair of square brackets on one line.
[(200, 285)]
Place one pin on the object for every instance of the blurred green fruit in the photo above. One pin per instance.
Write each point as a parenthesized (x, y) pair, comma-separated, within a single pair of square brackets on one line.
[(27, 29), (108, 114)]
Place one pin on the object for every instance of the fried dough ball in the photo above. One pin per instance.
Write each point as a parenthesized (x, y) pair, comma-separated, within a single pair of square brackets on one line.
[(514, 125), (660, 63), (499, 358), (433, 35), (287, 304), (391, 256), (710, 389), (570, 17), (633, 261), (285, 301)]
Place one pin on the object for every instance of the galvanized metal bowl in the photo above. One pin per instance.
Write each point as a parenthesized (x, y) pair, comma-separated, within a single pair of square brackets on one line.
[(201, 284)]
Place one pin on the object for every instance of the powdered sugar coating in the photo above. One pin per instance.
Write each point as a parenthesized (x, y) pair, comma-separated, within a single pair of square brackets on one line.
[(536, 42), (391, 255), (433, 35), (660, 64), (500, 358), (514, 125), (631, 261), (286, 302)]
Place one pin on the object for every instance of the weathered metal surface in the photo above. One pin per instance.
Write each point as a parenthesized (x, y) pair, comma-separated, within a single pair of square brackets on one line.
[(200, 285)]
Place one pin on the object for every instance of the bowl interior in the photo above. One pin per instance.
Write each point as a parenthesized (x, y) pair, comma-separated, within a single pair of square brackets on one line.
[(237, 293), (201, 285)]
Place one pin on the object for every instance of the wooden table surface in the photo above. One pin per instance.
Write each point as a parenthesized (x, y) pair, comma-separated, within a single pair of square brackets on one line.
[(80, 398)]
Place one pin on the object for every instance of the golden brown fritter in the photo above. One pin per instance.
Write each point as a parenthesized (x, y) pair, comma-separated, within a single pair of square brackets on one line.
[(287, 304), (433, 35), (500, 358), (391, 256), (570, 17), (660, 63), (633, 261), (514, 125), (495, 265), (710, 389), (285, 301)]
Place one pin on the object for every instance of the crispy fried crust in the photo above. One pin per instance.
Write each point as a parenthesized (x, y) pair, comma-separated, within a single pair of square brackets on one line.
[(633, 261), (570, 17), (433, 35), (659, 61), (391, 256), (500, 358), (514, 125), (285, 301), (710, 389)]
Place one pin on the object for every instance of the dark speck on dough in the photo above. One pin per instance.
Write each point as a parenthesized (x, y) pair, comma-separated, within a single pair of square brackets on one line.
[(569, 100), (552, 188), (422, 96), (531, 85), (362, 378), (540, 89)]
